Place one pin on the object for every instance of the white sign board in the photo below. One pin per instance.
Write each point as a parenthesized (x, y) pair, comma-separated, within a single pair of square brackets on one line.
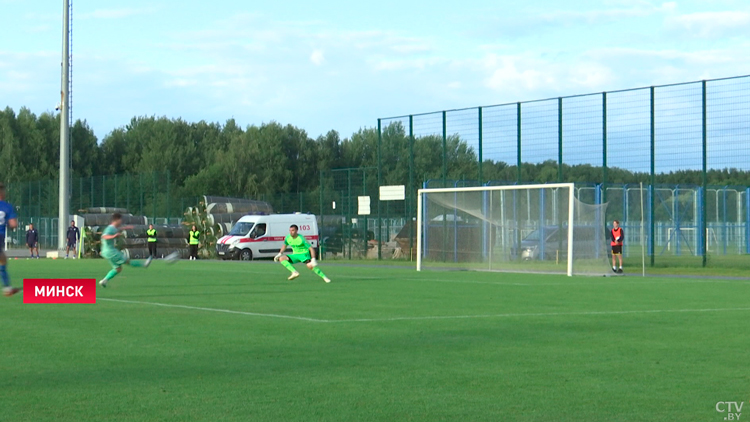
[(393, 193), (363, 205)]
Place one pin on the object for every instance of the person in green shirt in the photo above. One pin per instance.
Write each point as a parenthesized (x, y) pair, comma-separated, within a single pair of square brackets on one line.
[(112, 254), (302, 251)]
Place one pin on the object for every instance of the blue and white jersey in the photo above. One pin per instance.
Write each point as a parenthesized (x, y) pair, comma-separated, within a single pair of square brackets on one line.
[(7, 212)]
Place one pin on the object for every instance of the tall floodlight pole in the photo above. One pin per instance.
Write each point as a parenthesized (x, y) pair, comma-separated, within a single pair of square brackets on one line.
[(64, 131)]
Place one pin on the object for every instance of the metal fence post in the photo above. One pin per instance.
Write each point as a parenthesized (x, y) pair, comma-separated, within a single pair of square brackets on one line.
[(445, 184), (320, 226), (380, 182), (412, 189), (704, 216), (480, 130), (518, 141), (604, 147), (140, 192), (651, 242), (559, 139), (153, 195), (169, 212), (445, 151)]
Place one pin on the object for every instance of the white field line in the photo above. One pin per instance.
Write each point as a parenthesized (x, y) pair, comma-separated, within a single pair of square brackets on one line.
[(609, 283), (226, 311), (542, 314), (418, 318)]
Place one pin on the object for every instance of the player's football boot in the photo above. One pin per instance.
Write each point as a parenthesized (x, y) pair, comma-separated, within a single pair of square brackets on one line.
[(10, 291), (293, 276), (327, 280)]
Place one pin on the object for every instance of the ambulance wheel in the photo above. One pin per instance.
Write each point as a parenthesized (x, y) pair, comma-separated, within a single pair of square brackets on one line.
[(246, 255)]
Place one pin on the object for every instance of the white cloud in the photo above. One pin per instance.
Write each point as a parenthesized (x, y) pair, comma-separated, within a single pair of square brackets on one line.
[(506, 73), (317, 57), (635, 9), (526, 75), (712, 24)]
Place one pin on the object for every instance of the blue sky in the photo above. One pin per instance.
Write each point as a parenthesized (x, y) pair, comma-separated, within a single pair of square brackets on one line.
[(341, 65)]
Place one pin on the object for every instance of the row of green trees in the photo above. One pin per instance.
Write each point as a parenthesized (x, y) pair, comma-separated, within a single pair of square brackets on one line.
[(226, 159)]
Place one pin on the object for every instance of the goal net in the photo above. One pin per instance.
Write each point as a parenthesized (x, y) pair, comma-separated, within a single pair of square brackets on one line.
[(521, 228)]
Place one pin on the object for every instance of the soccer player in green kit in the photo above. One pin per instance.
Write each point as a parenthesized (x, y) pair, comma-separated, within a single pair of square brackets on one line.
[(302, 251), (112, 254)]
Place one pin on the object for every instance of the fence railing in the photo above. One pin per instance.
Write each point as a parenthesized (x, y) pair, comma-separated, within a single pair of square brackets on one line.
[(695, 134)]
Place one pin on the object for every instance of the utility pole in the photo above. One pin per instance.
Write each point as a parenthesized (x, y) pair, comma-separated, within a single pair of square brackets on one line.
[(64, 131)]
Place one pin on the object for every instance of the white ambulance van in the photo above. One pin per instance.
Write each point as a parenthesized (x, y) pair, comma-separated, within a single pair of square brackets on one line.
[(261, 236)]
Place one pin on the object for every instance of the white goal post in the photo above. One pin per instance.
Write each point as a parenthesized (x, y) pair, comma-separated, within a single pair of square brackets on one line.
[(517, 228)]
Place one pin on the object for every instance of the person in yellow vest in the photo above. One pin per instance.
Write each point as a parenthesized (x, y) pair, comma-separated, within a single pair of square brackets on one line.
[(194, 242), (151, 233)]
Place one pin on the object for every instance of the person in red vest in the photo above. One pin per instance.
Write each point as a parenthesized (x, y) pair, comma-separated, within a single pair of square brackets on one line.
[(618, 235)]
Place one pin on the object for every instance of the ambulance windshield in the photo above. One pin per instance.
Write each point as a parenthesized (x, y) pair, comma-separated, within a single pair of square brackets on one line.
[(241, 228)]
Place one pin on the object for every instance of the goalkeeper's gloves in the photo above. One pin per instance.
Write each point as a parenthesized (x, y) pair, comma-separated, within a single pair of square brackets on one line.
[(313, 262), (277, 257)]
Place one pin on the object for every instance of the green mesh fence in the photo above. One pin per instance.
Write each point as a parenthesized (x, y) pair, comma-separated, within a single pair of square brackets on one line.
[(672, 162), (346, 229), (145, 194)]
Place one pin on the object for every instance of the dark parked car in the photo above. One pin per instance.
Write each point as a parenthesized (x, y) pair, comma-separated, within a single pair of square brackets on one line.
[(587, 242), (335, 242)]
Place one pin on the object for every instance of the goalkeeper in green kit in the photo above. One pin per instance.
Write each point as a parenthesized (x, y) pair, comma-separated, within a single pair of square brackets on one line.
[(302, 251)]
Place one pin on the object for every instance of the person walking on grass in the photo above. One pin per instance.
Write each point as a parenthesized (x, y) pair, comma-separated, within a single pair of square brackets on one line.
[(302, 251), (8, 219), (112, 254), (617, 238)]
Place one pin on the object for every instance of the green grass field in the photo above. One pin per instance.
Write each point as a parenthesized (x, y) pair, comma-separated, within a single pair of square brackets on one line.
[(230, 341)]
